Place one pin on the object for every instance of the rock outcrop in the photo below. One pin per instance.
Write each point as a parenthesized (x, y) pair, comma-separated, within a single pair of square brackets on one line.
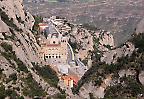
[(111, 56), (18, 50), (140, 27), (141, 77)]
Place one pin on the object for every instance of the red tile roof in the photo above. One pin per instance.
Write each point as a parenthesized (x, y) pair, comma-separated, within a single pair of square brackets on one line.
[(71, 77), (43, 24)]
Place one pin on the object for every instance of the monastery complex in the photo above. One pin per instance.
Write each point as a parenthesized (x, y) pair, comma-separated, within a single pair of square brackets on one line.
[(54, 48), (56, 52)]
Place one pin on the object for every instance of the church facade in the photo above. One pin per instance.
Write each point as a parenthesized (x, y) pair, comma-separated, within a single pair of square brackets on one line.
[(53, 46)]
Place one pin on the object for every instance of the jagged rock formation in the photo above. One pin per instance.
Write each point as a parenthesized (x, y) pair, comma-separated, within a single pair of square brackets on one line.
[(140, 26), (127, 73), (87, 39), (111, 56), (141, 77), (18, 50)]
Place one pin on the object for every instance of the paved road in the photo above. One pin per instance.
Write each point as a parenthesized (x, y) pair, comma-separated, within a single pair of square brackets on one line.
[(69, 55), (80, 63)]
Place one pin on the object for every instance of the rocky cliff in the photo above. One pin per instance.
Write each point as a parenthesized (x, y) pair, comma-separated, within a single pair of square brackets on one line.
[(112, 68), (19, 76)]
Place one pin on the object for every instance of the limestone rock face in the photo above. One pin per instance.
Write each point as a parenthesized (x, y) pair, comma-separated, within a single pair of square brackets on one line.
[(97, 91), (15, 32), (85, 42), (24, 21), (14, 9), (141, 77), (140, 27), (107, 39), (111, 56), (3, 27)]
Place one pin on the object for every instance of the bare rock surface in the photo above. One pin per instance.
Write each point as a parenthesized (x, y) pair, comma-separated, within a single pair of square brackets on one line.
[(111, 56), (141, 77), (140, 27), (20, 49)]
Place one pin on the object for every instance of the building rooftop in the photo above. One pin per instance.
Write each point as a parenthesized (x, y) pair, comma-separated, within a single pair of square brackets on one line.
[(71, 77)]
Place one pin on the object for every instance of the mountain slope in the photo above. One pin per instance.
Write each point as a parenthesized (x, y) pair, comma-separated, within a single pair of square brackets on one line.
[(19, 52)]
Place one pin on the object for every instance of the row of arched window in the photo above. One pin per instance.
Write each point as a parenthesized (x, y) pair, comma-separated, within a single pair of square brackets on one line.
[(63, 40), (53, 56), (53, 49)]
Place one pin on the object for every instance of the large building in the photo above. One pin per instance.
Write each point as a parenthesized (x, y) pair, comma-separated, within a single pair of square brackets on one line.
[(53, 46), (57, 52)]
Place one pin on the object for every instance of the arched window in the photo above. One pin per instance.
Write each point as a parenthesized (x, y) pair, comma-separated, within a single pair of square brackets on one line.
[(54, 42), (46, 56), (49, 56)]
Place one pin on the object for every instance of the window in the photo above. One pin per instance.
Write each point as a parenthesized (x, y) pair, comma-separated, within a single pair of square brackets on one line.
[(46, 56), (59, 56), (49, 56), (56, 56), (54, 42)]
